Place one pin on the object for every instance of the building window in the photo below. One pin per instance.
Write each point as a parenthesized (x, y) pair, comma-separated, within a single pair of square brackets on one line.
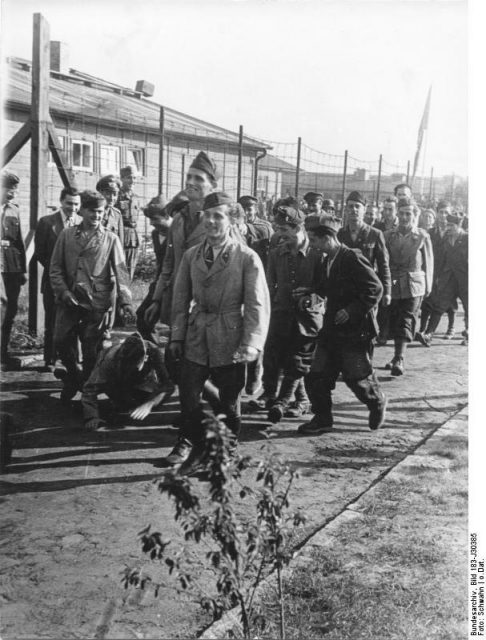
[(82, 155), (135, 158), (109, 159), (61, 145)]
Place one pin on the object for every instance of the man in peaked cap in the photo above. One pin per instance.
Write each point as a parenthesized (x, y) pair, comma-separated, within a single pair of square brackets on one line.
[(313, 201), (352, 290), (133, 376), (186, 231), (220, 315), (86, 265), (128, 204), (109, 186), (292, 269), (46, 234), (12, 257)]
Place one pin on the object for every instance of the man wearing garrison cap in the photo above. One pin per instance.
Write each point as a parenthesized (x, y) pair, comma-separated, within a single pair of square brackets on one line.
[(313, 201), (87, 264), (186, 231), (370, 241), (219, 322), (128, 204), (352, 290), (12, 257)]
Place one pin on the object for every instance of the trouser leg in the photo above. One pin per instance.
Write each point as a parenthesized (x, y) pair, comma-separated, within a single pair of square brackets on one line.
[(49, 322), (272, 363), (321, 380), (91, 329), (254, 374), (146, 329), (191, 383), (230, 381), (66, 344), (433, 323), (12, 283)]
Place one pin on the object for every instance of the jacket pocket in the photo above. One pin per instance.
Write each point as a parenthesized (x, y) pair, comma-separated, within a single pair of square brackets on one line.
[(416, 283)]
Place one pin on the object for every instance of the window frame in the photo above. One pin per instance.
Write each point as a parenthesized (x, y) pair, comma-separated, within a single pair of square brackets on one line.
[(86, 143)]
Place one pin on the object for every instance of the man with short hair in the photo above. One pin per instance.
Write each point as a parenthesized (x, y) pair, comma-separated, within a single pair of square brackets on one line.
[(186, 231), (402, 190), (12, 258), (292, 269), (389, 219), (129, 206), (220, 315), (86, 265), (371, 216), (352, 291), (412, 267), (313, 201), (328, 206), (258, 231), (46, 234), (109, 186)]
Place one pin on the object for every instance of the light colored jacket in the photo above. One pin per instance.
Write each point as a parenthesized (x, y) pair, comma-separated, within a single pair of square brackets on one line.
[(411, 263), (218, 310), (90, 270)]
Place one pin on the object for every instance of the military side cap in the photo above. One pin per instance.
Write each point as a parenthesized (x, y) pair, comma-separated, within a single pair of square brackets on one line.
[(9, 179), (247, 200), (108, 183), (156, 206), (356, 196), (452, 218), (130, 170), (311, 196), (203, 162), (322, 221), (92, 200), (328, 203), (288, 215), (216, 199)]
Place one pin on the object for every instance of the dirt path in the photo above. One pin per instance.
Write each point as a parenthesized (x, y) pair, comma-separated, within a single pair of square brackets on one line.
[(73, 501)]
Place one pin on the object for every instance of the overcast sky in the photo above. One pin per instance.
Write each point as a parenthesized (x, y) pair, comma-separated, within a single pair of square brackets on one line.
[(342, 75)]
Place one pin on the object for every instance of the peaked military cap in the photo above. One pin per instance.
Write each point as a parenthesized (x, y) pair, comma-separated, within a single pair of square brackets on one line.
[(108, 183), (323, 221), (9, 179), (216, 199), (288, 215), (247, 200), (356, 196), (203, 162), (310, 196)]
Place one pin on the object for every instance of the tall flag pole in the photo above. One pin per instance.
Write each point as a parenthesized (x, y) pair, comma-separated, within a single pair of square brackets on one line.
[(424, 123)]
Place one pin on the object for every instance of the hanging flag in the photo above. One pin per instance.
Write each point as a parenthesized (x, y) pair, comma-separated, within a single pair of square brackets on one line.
[(424, 123)]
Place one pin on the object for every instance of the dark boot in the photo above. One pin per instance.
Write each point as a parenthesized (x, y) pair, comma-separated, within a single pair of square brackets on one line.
[(287, 390)]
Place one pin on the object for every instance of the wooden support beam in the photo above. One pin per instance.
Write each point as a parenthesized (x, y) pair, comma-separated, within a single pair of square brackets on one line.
[(59, 157), (39, 150), (16, 143)]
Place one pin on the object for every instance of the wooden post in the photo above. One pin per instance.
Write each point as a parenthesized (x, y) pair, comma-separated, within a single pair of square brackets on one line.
[(297, 167), (39, 150), (240, 160), (16, 143), (431, 186), (183, 171), (408, 172), (161, 149), (343, 190), (379, 181)]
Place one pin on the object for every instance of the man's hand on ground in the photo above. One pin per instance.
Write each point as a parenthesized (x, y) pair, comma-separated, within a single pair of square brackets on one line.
[(93, 424), (142, 411)]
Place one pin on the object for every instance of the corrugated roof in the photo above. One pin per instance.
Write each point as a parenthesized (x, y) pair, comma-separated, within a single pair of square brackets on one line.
[(88, 98)]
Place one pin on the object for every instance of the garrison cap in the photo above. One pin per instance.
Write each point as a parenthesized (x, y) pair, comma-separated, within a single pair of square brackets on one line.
[(328, 204), (247, 200), (9, 179), (311, 196), (323, 221), (216, 199), (92, 200), (356, 196), (454, 219), (156, 206), (109, 183), (203, 162), (129, 170), (289, 215)]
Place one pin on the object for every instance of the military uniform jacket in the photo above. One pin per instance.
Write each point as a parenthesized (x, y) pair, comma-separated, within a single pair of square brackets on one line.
[(12, 256), (113, 221), (285, 272), (411, 263), (230, 304), (129, 207), (90, 269), (371, 243), (159, 244), (48, 229), (353, 285), (258, 236)]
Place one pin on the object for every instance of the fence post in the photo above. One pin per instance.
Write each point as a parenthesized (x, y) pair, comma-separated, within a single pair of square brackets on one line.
[(408, 172), (378, 184), (39, 151), (431, 186), (297, 168), (343, 191), (161, 148), (240, 158), (183, 171)]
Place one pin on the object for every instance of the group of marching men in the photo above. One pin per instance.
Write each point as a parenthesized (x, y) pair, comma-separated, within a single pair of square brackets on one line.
[(277, 309)]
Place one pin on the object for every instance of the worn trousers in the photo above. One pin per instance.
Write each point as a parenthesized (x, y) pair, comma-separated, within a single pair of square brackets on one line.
[(13, 284), (403, 318)]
